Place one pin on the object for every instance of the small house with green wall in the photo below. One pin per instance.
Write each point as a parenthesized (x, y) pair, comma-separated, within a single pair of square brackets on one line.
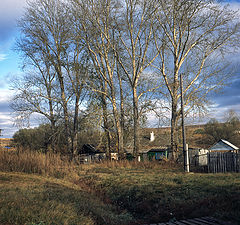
[(158, 153)]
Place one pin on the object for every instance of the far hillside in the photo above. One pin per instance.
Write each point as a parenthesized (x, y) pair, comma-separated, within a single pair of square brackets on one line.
[(194, 134), (197, 136)]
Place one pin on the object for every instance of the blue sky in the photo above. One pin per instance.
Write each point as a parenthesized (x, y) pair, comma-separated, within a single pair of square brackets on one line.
[(11, 10)]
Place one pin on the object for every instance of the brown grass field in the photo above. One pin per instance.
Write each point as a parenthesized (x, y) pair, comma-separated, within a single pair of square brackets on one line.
[(38, 189)]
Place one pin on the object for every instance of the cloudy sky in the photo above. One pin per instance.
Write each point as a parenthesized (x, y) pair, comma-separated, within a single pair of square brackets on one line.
[(11, 10)]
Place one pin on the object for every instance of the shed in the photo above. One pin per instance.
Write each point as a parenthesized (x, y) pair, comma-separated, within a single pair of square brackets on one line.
[(89, 154), (88, 149), (158, 153), (223, 146)]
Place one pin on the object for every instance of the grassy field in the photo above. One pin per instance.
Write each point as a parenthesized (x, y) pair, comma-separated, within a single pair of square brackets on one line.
[(36, 200), (161, 194), (50, 190)]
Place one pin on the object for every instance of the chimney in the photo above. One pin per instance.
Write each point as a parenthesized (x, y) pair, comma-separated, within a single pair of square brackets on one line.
[(152, 138)]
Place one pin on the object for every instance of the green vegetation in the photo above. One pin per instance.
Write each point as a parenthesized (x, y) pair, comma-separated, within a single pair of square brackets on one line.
[(53, 191)]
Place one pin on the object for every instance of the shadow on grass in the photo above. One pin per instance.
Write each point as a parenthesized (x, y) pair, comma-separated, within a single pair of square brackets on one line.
[(154, 198)]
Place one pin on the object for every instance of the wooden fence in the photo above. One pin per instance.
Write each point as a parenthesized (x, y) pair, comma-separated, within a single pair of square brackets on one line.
[(219, 162)]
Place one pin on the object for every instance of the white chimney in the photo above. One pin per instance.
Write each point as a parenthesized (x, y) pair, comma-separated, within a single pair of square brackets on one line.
[(152, 138)]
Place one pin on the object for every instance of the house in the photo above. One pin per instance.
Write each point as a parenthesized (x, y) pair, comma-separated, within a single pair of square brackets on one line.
[(88, 154), (158, 153), (224, 146)]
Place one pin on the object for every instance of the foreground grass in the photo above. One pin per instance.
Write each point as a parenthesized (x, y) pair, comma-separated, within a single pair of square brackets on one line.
[(110, 193), (35, 200), (163, 194)]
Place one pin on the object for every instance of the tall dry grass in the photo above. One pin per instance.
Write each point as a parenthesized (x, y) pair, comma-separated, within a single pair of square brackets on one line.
[(55, 165), (37, 163)]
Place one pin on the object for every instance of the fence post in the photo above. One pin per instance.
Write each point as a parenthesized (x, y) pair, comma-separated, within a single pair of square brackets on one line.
[(187, 159), (208, 163)]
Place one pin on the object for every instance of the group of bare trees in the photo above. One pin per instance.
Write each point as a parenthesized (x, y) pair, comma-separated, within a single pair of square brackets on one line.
[(116, 52)]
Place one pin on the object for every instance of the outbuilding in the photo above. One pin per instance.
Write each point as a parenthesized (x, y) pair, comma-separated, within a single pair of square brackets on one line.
[(224, 146), (88, 154)]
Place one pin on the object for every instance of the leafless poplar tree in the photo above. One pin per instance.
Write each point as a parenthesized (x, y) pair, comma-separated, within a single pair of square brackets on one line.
[(95, 19), (48, 39), (135, 55), (191, 37)]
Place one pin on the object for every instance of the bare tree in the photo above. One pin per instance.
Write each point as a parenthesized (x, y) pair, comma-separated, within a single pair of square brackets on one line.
[(95, 19), (192, 38), (36, 90), (48, 40), (135, 55)]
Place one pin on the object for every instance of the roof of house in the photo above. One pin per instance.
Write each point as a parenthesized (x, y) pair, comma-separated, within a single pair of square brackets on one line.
[(88, 149), (223, 145), (158, 150)]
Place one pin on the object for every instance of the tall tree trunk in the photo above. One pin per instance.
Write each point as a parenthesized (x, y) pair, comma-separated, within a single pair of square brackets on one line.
[(105, 120), (136, 122), (52, 138), (65, 108), (75, 126), (118, 127), (121, 106), (174, 131), (106, 126)]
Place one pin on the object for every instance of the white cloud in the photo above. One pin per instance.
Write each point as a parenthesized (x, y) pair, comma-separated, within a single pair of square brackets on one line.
[(11, 8), (219, 113), (5, 95), (6, 124), (3, 57), (234, 5)]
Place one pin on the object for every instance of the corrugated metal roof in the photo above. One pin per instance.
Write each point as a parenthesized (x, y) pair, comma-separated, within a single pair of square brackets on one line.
[(230, 144), (224, 145)]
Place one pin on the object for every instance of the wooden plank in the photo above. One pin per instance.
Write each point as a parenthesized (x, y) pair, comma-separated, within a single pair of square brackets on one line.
[(181, 223), (195, 222), (186, 222), (214, 220), (206, 221), (217, 221)]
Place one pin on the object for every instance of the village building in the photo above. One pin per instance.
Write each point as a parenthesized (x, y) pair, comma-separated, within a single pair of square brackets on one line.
[(88, 154), (224, 146)]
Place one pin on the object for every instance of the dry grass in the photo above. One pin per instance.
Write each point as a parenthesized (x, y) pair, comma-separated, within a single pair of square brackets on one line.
[(36, 163), (58, 166), (149, 192), (27, 199)]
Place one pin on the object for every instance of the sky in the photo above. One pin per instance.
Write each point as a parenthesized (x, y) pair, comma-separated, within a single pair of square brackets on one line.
[(10, 64)]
